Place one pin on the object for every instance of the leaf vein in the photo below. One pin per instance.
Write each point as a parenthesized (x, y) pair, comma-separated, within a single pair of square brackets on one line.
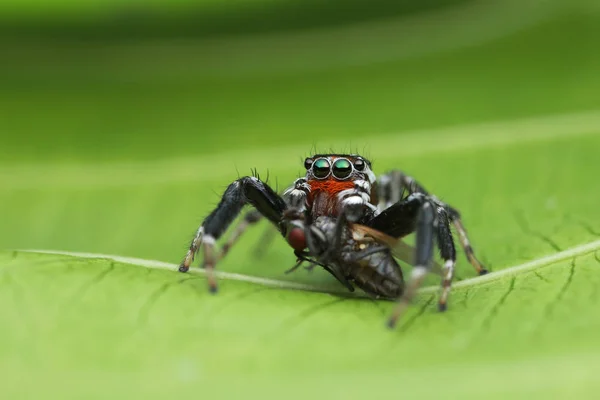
[(145, 309), (83, 289), (541, 277), (487, 322), (525, 227), (409, 322), (552, 305)]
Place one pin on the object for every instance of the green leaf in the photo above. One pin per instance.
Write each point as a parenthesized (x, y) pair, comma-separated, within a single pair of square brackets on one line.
[(105, 328), (100, 328), (120, 150)]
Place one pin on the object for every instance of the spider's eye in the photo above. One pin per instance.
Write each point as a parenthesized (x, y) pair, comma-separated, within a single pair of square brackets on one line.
[(342, 168), (359, 164), (321, 168), (308, 163)]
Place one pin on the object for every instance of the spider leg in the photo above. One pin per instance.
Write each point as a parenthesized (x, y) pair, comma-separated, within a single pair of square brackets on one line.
[(465, 242), (400, 219), (246, 190), (250, 218), (424, 253), (265, 240), (448, 253), (431, 225), (295, 197), (392, 187), (420, 213)]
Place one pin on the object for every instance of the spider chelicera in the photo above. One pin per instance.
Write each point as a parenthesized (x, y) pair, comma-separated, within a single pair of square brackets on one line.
[(341, 217)]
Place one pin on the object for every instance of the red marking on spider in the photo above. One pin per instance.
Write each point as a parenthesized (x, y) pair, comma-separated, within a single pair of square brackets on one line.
[(323, 194)]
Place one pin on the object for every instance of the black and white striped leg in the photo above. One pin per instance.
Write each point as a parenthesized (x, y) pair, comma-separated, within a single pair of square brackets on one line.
[(465, 242), (246, 190), (395, 184), (424, 254), (448, 254), (390, 189)]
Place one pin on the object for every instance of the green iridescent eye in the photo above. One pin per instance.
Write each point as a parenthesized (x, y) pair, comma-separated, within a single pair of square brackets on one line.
[(342, 168), (321, 168)]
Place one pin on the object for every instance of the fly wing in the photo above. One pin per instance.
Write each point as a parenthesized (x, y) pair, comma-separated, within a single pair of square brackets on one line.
[(400, 250)]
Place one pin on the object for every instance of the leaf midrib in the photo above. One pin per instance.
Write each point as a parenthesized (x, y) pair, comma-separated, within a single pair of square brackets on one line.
[(538, 263)]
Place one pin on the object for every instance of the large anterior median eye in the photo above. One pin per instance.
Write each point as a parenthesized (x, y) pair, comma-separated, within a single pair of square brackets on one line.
[(321, 168), (342, 168)]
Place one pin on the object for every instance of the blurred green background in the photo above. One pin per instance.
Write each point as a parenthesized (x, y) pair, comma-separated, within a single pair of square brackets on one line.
[(121, 122)]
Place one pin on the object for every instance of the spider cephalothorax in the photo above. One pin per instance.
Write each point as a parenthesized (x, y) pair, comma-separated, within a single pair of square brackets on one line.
[(331, 176), (340, 217)]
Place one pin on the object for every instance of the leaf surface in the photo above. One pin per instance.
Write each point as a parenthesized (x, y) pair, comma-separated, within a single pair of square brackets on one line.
[(153, 332), (104, 151)]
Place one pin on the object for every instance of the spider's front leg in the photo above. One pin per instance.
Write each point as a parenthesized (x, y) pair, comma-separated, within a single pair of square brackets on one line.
[(246, 190), (294, 196), (420, 213), (391, 189)]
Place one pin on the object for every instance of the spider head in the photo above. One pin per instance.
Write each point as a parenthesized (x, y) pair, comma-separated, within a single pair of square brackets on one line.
[(338, 168)]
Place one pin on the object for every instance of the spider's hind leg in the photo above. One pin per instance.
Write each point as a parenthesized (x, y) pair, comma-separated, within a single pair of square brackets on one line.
[(465, 243), (250, 218)]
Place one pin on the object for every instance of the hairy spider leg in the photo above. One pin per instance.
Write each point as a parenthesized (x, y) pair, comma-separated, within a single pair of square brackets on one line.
[(448, 254), (250, 218), (246, 190), (395, 184), (294, 196), (465, 243), (423, 256), (419, 213)]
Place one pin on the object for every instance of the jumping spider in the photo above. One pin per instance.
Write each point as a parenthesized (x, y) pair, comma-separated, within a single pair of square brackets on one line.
[(341, 217)]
